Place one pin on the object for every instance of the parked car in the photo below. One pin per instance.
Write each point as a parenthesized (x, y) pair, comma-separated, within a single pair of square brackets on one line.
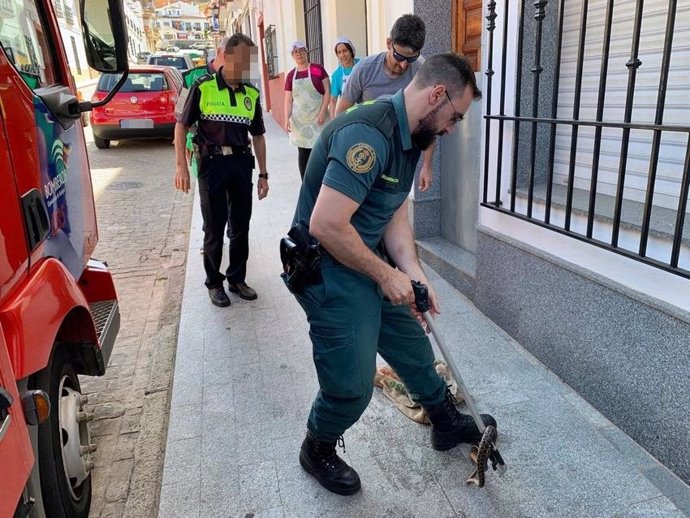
[(198, 57), (142, 57), (143, 108), (179, 61)]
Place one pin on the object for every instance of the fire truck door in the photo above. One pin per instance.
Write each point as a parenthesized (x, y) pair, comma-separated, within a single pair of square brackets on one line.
[(48, 149), (16, 457)]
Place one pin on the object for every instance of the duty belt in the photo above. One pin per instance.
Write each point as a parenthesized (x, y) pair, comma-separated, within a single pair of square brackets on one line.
[(224, 150)]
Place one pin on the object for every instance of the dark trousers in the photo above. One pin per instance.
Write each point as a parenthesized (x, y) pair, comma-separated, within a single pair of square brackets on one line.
[(349, 322), (302, 159), (225, 189)]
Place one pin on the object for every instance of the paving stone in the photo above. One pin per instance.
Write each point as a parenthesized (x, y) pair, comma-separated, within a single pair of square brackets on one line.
[(254, 361), (118, 485), (258, 487)]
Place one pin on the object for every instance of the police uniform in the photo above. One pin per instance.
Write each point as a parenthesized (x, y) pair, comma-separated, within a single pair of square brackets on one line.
[(225, 118), (367, 155), (189, 77)]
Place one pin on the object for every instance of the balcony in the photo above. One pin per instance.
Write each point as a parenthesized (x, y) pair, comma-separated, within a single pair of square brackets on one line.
[(69, 15)]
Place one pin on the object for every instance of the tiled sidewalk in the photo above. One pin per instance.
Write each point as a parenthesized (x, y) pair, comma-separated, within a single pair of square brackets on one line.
[(244, 381)]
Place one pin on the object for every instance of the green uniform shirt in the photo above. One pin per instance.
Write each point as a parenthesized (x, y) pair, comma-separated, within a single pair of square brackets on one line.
[(367, 154)]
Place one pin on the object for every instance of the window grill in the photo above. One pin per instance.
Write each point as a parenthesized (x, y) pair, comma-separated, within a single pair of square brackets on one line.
[(312, 23), (598, 145), (271, 53)]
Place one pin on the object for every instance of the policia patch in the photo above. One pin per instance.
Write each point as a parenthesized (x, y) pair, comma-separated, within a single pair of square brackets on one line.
[(361, 158), (248, 103)]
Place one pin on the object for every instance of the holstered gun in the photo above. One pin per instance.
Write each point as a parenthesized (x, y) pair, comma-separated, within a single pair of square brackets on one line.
[(300, 254)]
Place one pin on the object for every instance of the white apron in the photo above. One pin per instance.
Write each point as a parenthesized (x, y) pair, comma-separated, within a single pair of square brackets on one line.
[(306, 103)]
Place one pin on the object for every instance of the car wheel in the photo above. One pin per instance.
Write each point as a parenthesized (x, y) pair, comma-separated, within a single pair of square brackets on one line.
[(101, 143), (64, 443)]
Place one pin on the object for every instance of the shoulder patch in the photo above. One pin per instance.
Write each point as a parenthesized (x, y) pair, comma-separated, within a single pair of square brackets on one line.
[(202, 79), (361, 158)]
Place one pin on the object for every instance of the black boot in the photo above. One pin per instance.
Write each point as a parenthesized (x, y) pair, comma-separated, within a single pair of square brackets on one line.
[(449, 427), (319, 459)]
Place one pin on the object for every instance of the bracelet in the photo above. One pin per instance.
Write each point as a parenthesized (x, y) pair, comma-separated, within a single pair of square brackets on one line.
[(263, 175)]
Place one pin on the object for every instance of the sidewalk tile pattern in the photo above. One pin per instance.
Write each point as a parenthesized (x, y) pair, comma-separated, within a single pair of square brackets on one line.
[(244, 381)]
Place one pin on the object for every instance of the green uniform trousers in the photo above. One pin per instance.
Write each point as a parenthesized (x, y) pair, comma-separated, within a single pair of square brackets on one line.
[(349, 323)]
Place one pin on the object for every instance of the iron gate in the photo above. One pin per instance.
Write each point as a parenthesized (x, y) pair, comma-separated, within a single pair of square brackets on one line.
[(570, 156)]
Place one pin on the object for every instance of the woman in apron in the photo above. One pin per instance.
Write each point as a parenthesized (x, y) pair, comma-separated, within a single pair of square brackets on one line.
[(345, 51), (306, 103)]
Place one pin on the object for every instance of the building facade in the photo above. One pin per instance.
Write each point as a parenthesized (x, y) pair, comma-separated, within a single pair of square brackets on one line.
[(180, 22), (67, 12), (134, 18)]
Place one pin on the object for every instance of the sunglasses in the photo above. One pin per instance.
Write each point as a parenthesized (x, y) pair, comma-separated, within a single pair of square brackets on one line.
[(400, 58), (457, 116)]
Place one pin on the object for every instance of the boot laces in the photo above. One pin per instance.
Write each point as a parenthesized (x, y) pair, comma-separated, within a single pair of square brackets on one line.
[(330, 458)]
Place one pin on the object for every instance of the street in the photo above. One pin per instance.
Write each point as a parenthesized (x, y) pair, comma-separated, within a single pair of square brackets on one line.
[(143, 232)]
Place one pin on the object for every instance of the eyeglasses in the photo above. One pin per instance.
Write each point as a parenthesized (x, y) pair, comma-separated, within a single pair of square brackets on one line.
[(300, 50), (457, 116), (400, 58)]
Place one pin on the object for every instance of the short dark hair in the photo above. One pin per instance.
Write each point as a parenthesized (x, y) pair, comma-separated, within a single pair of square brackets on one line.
[(450, 70), (349, 47), (238, 39), (409, 31)]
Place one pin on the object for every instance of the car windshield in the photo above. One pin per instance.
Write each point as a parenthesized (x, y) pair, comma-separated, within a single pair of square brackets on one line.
[(135, 82), (169, 61)]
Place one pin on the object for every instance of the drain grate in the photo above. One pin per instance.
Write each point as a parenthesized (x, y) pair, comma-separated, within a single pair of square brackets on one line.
[(124, 186)]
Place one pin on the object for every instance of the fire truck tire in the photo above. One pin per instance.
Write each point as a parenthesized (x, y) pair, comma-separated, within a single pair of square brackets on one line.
[(101, 143), (59, 441)]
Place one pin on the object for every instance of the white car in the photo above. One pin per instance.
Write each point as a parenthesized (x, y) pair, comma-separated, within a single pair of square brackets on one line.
[(181, 62)]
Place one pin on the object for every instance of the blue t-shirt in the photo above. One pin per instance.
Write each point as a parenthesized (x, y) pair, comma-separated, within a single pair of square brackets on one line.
[(339, 78)]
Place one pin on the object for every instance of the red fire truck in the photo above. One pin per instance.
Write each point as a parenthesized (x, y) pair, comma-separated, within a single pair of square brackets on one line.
[(58, 307)]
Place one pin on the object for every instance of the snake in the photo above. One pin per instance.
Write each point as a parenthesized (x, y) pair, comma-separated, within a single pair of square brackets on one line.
[(480, 456)]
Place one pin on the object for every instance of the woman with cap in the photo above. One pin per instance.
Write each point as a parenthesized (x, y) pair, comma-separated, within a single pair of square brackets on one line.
[(308, 95), (345, 51)]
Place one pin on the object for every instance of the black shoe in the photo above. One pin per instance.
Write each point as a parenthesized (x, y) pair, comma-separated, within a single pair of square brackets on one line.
[(319, 459), (449, 427), (219, 297), (244, 291)]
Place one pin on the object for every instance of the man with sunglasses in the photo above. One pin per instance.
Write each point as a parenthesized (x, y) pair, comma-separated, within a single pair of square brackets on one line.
[(390, 71), (355, 195)]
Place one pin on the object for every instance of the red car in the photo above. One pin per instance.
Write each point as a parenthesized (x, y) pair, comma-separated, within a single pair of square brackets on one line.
[(143, 108)]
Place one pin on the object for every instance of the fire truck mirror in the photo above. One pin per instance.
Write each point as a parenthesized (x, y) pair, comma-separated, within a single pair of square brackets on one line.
[(105, 35)]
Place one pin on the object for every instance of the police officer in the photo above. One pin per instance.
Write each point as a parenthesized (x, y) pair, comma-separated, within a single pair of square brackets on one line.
[(355, 195), (227, 111)]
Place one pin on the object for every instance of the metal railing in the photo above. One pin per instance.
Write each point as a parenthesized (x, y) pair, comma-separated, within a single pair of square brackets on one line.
[(540, 131)]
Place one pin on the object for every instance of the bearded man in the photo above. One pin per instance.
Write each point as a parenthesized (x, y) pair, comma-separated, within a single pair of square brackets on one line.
[(353, 198)]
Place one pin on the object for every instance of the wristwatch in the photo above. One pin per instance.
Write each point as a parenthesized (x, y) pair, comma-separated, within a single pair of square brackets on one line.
[(263, 175)]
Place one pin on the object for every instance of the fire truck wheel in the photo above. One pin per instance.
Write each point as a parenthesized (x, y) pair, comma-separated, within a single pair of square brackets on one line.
[(64, 450), (101, 143)]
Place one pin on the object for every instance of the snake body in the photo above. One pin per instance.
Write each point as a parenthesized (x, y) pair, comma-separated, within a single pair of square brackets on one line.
[(480, 456)]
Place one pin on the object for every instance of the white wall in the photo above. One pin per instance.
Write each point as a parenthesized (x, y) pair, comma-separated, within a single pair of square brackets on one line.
[(382, 16), (342, 18), (289, 27), (78, 64)]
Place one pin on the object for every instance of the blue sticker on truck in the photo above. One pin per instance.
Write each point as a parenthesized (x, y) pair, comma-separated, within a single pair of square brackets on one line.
[(62, 186)]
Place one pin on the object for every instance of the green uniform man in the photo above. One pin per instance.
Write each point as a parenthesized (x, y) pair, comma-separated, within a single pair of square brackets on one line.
[(354, 196)]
